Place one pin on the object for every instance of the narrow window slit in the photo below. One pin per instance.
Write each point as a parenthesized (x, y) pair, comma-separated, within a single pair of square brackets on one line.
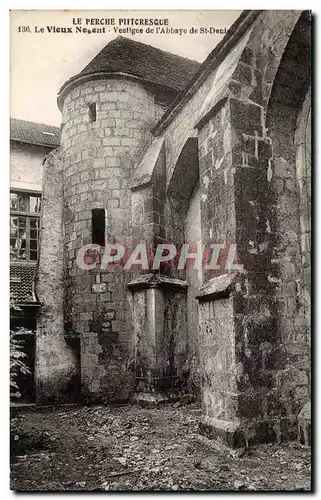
[(98, 226), (92, 112)]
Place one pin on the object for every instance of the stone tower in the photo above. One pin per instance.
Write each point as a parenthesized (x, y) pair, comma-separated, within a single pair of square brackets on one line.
[(108, 111)]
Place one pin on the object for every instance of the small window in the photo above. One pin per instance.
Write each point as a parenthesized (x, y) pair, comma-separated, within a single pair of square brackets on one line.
[(98, 226), (92, 112), (24, 225)]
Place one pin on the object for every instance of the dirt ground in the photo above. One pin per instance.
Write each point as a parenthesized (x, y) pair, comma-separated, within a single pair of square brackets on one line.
[(128, 448)]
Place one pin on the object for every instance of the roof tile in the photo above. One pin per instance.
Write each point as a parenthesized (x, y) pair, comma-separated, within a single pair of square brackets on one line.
[(147, 62), (34, 133), (22, 278)]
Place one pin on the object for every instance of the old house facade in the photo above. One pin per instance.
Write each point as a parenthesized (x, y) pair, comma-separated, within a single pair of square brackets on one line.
[(159, 149), (29, 144)]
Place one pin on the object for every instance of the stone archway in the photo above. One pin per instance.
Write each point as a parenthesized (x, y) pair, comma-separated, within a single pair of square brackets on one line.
[(184, 196), (286, 122), (193, 236), (159, 297), (180, 188), (302, 144), (253, 326)]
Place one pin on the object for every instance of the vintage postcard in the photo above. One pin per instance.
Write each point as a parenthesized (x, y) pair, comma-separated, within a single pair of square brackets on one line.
[(160, 236)]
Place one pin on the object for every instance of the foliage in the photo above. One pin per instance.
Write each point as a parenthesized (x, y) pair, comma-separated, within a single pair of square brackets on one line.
[(17, 356), (129, 448)]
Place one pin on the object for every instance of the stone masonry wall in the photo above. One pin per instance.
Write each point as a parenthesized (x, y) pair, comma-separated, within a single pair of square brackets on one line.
[(194, 281), (100, 159), (253, 332), (26, 168), (270, 328), (303, 174), (56, 363), (292, 379), (288, 102), (240, 205)]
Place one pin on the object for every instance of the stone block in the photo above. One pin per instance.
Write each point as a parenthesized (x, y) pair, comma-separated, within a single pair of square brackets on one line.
[(304, 425), (246, 117)]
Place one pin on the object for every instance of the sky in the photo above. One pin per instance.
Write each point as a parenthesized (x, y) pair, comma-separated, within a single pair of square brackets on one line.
[(41, 62)]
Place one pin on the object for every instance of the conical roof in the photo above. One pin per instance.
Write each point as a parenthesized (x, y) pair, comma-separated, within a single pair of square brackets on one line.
[(144, 61)]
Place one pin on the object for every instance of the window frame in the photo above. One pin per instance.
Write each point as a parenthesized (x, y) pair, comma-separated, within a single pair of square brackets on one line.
[(27, 215)]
